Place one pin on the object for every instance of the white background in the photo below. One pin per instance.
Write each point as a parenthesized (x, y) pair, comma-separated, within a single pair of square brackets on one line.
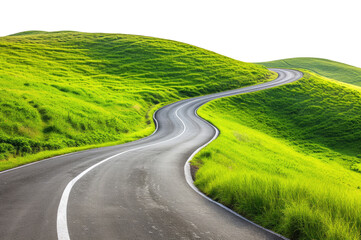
[(252, 31)]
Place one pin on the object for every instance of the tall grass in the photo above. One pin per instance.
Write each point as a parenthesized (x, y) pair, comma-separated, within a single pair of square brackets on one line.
[(68, 89), (285, 158)]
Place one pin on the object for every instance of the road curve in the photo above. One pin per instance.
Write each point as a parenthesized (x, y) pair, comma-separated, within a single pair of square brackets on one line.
[(135, 190)]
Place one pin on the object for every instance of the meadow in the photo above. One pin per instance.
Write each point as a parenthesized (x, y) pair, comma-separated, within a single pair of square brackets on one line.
[(68, 91), (288, 158)]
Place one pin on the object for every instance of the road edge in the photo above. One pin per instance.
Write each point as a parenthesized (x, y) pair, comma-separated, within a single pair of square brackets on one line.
[(189, 179)]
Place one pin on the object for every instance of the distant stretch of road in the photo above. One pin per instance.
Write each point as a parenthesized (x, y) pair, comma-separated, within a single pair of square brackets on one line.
[(136, 190)]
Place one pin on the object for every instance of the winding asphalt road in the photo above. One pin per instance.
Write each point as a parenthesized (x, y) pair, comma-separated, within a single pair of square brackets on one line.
[(136, 190)]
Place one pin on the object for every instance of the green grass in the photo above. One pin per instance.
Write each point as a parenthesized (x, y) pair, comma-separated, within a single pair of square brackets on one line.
[(62, 91), (331, 69), (288, 158)]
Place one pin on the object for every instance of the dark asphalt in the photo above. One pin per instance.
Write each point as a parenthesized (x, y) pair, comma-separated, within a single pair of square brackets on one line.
[(139, 194)]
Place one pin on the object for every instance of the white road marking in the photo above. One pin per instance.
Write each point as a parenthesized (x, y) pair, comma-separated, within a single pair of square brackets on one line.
[(62, 221)]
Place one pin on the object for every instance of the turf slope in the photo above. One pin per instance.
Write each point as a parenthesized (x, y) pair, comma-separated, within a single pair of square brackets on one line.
[(65, 91), (288, 158)]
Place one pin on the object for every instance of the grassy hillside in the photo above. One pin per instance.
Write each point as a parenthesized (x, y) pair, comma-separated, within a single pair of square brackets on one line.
[(289, 158), (61, 90), (331, 69)]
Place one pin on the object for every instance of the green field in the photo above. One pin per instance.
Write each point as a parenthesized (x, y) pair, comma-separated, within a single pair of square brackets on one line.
[(327, 68), (67, 91), (288, 158)]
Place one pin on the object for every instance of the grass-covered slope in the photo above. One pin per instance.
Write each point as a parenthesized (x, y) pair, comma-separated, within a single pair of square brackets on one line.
[(331, 69), (289, 158), (71, 89)]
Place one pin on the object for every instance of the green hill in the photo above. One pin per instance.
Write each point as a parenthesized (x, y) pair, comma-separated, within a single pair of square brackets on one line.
[(289, 158), (331, 69), (69, 89)]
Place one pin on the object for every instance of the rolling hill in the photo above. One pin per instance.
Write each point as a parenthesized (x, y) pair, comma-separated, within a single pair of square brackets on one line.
[(289, 158), (65, 91), (327, 68)]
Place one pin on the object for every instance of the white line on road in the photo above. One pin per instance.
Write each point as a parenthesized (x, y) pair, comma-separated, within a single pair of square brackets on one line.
[(62, 221)]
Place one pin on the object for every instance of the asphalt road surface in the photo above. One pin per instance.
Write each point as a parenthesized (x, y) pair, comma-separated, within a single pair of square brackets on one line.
[(136, 190)]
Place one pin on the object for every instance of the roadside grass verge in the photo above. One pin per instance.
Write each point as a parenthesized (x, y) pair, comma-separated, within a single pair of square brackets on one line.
[(61, 91), (286, 158), (12, 162)]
